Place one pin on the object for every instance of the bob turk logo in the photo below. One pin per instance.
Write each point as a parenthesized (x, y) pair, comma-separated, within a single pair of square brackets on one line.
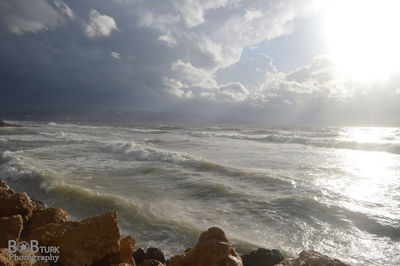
[(28, 250)]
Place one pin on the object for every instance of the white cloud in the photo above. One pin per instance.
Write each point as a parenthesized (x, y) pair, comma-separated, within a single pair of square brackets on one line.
[(168, 39), (26, 16), (397, 91), (192, 11), (115, 55), (99, 25), (252, 14)]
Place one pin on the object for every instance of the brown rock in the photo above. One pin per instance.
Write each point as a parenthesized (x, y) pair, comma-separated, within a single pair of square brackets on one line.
[(15, 203), (10, 229), (124, 255), (84, 242), (312, 258), (151, 263), (6, 261), (44, 217), (212, 249)]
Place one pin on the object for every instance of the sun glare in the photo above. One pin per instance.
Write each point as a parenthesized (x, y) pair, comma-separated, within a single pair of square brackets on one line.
[(363, 37)]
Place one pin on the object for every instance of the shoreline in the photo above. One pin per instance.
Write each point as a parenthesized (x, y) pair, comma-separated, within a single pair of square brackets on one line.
[(98, 241)]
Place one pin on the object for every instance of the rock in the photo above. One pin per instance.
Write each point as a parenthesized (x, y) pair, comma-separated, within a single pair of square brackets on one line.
[(151, 263), (44, 217), (139, 255), (124, 255), (5, 260), (155, 254), (262, 257), (312, 258), (212, 249), (10, 229), (15, 203), (84, 242), (152, 253), (4, 124)]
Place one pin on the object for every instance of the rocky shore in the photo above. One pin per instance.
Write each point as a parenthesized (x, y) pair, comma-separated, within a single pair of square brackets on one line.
[(32, 233)]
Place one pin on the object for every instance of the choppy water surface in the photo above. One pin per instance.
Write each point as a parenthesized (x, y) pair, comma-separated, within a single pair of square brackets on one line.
[(334, 190)]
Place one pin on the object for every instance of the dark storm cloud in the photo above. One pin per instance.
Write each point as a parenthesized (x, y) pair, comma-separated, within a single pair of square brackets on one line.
[(176, 55)]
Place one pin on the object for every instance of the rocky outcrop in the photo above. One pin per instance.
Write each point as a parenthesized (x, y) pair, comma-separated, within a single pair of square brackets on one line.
[(312, 258), (10, 229), (150, 257), (139, 255), (262, 257), (13, 203), (5, 259), (94, 240), (81, 243), (43, 217), (123, 256), (212, 249)]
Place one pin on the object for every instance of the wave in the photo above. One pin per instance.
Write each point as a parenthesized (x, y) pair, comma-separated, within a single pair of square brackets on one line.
[(391, 147), (15, 166), (142, 152), (146, 131)]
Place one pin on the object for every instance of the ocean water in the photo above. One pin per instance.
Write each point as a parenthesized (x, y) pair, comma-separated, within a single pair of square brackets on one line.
[(334, 190)]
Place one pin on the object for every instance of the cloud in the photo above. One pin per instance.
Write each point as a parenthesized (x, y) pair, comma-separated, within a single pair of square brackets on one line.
[(26, 16), (115, 55), (168, 38), (99, 25)]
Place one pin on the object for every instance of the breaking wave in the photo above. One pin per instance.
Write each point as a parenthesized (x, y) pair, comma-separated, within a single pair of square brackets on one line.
[(391, 147)]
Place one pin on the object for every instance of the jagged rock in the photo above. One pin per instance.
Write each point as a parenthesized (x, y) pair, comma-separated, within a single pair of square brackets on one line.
[(44, 217), (151, 263), (155, 254), (83, 242), (15, 203), (139, 255), (262, 257), (124, 255), (10, 229), (212, 249), (312, 258)]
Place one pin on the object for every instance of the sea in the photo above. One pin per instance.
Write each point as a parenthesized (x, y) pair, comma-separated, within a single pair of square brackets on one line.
[(335, 190)]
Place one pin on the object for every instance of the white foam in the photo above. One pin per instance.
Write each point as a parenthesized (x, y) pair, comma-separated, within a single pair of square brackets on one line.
[(143, 152), (14, 165)]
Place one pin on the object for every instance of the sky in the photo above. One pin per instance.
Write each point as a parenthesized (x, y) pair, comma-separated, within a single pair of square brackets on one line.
[(273, 61)]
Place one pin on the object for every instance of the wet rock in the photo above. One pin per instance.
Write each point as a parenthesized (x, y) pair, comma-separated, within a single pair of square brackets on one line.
[(15, 203), (10, 229), (139, 255), (312, 258), (212, 249), (155, 254), (84, 242), (151, 263), (262, 257)]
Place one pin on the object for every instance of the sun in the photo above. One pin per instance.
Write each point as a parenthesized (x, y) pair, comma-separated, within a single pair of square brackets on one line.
[(364, 37)]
